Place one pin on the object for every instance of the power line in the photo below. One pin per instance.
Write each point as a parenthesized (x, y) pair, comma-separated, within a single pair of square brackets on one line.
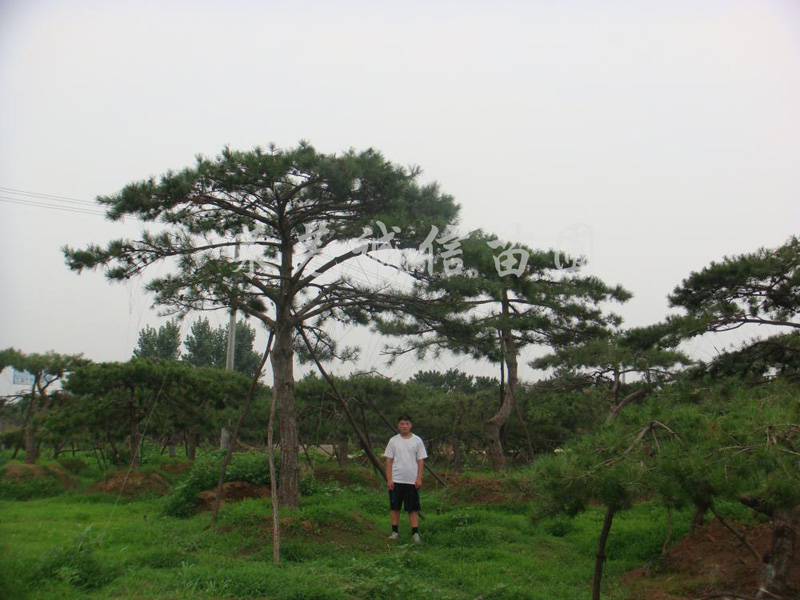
[(63, 203), (16, 191), (38, 204)]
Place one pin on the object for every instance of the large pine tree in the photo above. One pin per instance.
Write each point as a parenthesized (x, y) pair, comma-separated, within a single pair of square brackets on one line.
[(301, 214)]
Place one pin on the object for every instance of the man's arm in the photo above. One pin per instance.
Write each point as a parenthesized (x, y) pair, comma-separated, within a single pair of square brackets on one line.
[(421, 456), (389, 481)]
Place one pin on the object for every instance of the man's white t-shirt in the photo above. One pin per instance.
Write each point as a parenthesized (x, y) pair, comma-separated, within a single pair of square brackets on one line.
[(405, 452)]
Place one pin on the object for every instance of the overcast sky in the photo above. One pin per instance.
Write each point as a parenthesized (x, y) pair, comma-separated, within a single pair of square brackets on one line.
[(658, 136)]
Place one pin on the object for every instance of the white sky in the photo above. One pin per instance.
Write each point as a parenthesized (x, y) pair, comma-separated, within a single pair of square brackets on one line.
[(658, 136)]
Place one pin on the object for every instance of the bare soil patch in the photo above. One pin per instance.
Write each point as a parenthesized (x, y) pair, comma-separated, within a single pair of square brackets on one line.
[(707, 560), (177, 467), (480, 490), (133, 485), (21, 472), (233, 491)]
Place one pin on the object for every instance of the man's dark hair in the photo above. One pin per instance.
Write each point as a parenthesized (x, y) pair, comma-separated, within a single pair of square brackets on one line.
[(404, 418)]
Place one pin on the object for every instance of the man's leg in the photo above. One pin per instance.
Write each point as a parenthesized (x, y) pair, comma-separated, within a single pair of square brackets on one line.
[(395, 518), (413, 514), (394, 512), (413, 518)]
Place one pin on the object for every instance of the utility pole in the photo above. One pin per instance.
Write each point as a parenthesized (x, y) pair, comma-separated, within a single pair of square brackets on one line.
[(225, 434), (231, 341)]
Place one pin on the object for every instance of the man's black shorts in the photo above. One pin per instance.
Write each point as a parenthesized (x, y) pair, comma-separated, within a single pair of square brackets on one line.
[(404, 494)]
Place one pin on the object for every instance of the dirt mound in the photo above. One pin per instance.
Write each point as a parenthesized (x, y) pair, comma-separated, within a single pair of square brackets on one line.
[(479, 490), (132, 484), (232, 491), (356, 532), (20, 472), (176, 467), (707, 560), (348, 476)]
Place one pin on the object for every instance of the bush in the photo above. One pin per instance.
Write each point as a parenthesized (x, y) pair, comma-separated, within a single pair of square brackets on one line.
[(72, 464), (251, 467)]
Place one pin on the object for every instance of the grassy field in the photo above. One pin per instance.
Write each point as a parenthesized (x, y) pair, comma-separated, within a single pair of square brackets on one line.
[(94, 545)]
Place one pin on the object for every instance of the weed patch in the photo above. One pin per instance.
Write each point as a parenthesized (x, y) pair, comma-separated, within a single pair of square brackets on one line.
[(77, 565)]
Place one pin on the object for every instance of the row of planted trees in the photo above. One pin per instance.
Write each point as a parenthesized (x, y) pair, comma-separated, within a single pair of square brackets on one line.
[(108, 407), (69, 393), (113, 409)]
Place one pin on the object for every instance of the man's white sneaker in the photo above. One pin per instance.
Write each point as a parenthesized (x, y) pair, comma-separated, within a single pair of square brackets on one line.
[(416, 538), (394, 536)]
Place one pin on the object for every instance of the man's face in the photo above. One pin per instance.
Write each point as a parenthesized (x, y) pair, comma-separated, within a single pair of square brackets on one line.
[(404, 426)]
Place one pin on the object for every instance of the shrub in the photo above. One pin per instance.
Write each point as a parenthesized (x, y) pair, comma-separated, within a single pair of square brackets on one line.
[(251, 467)]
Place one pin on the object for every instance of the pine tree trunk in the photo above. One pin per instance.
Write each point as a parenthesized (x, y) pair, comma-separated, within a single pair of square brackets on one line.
[(171, 446), (341, 450), (601, 554), (283, 389), (781, 556), (494, 425), (618, 406), (698, 520), (191, 445), (456, 445), (30, 436), (134, 443), (31, 451), (114, 450)]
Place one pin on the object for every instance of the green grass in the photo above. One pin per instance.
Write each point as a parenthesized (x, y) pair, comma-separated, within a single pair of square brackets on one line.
[(334, 547)]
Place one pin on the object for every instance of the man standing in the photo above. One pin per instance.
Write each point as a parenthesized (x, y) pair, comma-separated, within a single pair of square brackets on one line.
[(404, 455)]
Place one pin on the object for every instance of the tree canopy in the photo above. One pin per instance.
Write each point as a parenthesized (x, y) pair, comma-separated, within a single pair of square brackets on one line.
[(163, 343), (46, 369), (761, 287), (500, 299)]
